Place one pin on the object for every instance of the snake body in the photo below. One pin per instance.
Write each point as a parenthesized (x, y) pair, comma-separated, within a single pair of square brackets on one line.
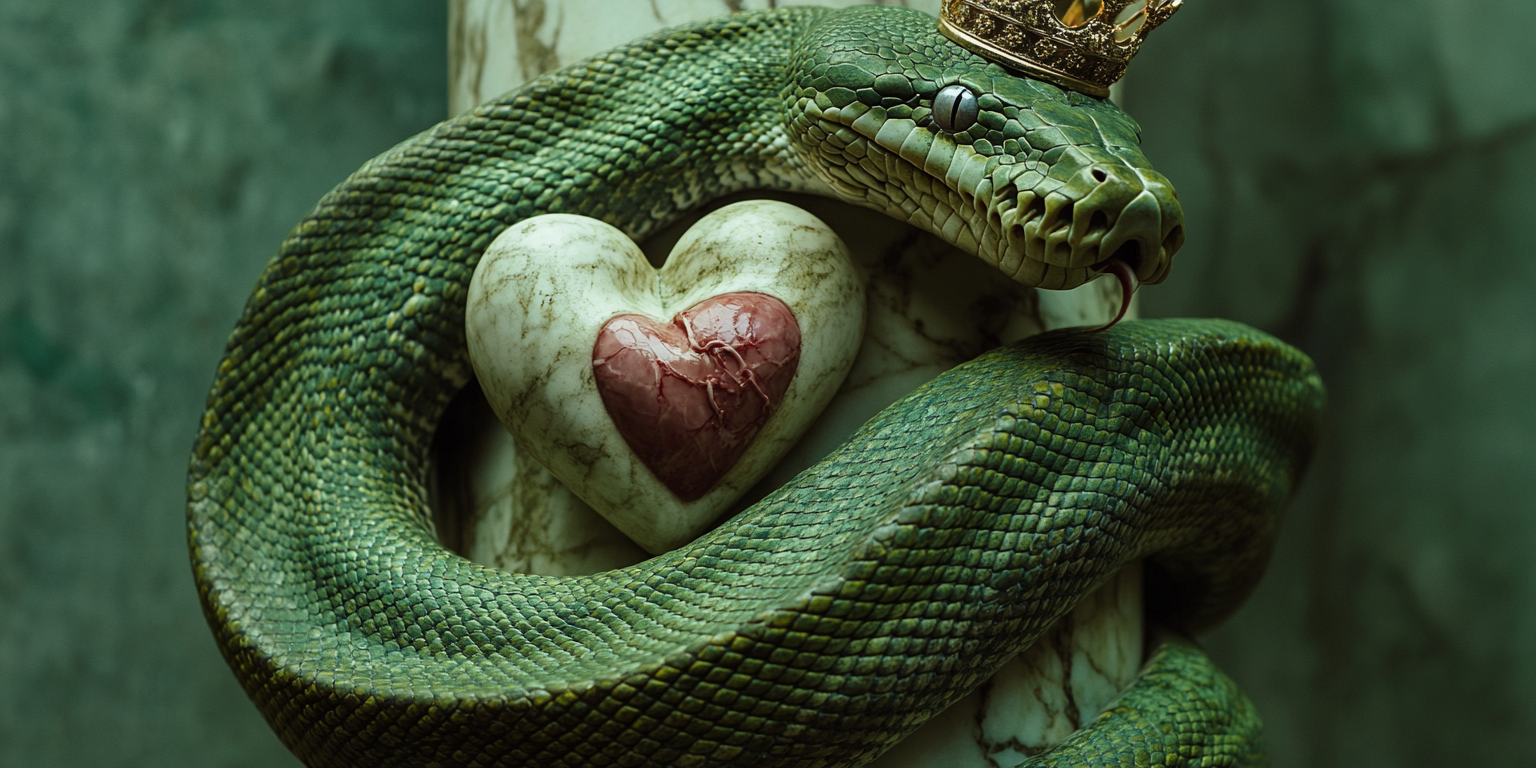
[(830, 620)]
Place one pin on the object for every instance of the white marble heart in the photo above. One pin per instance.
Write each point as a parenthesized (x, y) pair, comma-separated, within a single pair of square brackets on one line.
[(546, 288)]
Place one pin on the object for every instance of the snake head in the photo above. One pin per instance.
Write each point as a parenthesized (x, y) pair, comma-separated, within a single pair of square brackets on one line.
[(1049, 186)]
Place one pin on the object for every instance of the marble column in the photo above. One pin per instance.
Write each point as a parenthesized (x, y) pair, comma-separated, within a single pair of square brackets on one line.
[(929, 308)]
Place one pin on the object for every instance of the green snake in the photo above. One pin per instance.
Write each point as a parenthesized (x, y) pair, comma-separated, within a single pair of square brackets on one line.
[(824, 624)]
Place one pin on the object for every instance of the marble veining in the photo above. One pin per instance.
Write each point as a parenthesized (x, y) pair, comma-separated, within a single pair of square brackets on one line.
[(497, 45), (1063, 681), (520, 518)]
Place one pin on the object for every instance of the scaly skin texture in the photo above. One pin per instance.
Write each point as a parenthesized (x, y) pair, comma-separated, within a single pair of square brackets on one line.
[(829, 621), (1181, 711)]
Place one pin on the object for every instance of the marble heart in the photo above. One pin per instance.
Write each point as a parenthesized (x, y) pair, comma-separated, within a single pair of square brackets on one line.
[(557, 300)]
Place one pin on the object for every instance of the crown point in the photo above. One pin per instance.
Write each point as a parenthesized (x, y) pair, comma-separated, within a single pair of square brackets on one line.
[(1083, 45)]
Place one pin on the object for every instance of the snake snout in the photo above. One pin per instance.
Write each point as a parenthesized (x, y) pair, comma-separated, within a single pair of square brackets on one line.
[(1079, 222), (1126, 215)]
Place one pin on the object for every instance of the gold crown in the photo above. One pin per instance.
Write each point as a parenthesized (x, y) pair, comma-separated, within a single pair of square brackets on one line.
[(1084, 45)]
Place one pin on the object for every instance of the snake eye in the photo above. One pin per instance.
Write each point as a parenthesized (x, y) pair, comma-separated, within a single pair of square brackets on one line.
[(955, 108)]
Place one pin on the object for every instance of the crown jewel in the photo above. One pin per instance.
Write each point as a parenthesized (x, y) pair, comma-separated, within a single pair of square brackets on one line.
[(1084, 45)]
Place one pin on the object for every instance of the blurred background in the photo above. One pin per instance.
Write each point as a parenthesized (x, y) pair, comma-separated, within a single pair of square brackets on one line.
[(1359, 178)]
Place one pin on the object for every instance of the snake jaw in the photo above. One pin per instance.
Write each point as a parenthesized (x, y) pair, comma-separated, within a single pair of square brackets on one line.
[(1047, 225)]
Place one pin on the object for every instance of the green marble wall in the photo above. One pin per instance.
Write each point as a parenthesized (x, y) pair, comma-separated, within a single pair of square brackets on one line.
[(152, 156), (1358, 176)]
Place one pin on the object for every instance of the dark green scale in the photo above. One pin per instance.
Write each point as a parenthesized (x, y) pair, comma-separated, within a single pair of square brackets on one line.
[(817, 628)]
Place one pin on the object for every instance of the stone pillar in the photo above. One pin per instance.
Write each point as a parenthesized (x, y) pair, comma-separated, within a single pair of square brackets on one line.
[(930, 307)]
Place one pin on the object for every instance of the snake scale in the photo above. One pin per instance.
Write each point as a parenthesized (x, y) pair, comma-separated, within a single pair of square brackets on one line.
[(827, 622)]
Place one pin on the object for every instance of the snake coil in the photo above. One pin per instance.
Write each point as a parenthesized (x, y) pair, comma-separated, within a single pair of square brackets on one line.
[(827, 622)]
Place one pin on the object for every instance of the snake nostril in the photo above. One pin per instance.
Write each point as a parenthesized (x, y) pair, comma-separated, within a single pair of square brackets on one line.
[(1100, 176)]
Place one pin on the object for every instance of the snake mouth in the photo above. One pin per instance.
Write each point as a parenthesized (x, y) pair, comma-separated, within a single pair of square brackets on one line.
[(1123, 266), (1130, 258), (1107, 218)]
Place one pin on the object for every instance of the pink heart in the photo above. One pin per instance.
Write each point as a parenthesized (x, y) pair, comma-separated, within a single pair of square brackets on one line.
[(689, 397)]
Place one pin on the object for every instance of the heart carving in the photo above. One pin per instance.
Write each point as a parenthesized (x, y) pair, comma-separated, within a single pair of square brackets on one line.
[(659, 397), (689, 397)]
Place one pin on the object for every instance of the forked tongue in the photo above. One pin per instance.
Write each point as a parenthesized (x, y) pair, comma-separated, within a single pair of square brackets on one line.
[(1128, 284)]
